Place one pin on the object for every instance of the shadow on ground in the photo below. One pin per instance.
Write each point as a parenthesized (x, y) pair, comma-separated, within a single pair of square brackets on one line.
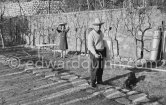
[(135, 70)]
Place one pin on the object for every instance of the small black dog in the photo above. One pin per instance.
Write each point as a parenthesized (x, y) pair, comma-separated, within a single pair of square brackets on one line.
[(131, 81)]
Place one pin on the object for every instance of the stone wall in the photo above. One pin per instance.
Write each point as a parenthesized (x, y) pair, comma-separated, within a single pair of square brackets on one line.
[(42, 25), (13, 9), (30, 8)]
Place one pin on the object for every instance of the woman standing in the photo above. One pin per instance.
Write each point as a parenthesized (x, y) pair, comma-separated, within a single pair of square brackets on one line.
[(63, 45)]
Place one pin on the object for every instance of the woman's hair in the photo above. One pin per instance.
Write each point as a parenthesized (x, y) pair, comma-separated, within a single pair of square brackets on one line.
[(62, 26)]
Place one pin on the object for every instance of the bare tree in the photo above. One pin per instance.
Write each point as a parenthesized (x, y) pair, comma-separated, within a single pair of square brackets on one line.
[(88, 4), (108, 27), (131, 26), (144, 25), (81, 27), (116, 27), (29, 37), (87, 30), (21, 9), (102, 3), (79, 36), (41, 33), (138, 20)]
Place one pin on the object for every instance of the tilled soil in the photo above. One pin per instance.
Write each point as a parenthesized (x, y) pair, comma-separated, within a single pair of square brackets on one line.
[(19, 87)]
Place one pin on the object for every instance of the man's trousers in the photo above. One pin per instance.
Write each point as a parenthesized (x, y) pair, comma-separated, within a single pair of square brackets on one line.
[(96, 67)]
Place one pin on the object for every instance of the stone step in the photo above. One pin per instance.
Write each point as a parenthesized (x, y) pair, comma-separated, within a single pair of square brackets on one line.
[(14, 77), (125, 91), (152, 103), (36, 71), (5, 69), (9, 71), (13, 74), (113, 93), (55, 78), (14, 81), (4, 61), (66, 98), (78, 82), (64, 73), (37, 91), (77, 99), (50, 74), (2, 56), (93, 99), (49, 85), (108, 91), (29, 67), (132, 92), (123, 100), (41, 93), (57, 94), (73, 78), (23, 77), (140, 97), (69, 77), (23, 87), (4, 89)]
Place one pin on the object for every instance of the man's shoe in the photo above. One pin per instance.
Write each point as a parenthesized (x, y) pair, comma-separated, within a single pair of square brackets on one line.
[(93, 85), (100, 83)]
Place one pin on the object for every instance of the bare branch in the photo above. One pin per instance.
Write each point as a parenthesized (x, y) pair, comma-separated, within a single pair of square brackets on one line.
[(21, 9), (138, 39), (147, 40), (128, 29), (101, 4), (146, 49)]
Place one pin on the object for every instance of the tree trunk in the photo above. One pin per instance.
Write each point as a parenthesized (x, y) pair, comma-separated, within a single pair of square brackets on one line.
[(43, 40), (33, 40), (3, 45), (88, 4), (34, 37), (112, 48), (136, 48), (142, 45), (117, 43), (49, 6), (29, 37), (103, 3), (39, 39), (85, 42), (76, 44), (142, 49), (81, 45)]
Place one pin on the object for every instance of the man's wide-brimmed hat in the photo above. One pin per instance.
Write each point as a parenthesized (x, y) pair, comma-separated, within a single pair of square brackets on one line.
[(98, 22), (62, 24)]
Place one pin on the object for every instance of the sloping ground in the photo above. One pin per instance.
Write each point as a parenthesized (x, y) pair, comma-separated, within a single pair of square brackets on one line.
[(150, 82), (29, 85), (59, 88)]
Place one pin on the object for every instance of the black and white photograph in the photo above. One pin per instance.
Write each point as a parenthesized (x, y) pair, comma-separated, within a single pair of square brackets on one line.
[(82, 52)]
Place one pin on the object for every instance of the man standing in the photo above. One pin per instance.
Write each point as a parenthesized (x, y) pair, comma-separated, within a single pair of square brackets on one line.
[(97, 52)]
